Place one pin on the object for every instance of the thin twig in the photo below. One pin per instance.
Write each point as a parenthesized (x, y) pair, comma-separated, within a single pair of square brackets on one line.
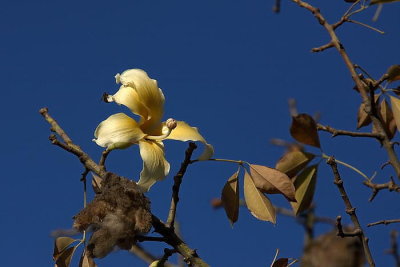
[(322, 47), (177, 184), (366, 25), (385, 222), (337, 132), (394, 247), (350, 210), (376, 120), (391, 186), (103, 158)]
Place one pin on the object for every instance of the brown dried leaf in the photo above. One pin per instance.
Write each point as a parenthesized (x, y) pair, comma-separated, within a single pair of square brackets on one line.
[(61, 244), (293, 162), (258, 204), (305, 187), (281, 262), (86, 261), (363, 119), (230, 198), (65, 257), (304, 130), (272, 181), (396, 110), (386, 115), (96, 183), (393, 73)]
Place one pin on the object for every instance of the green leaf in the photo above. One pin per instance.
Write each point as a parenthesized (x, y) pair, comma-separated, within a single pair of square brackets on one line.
[(293, 162), (230, 198), (258, 204), (305, 187)]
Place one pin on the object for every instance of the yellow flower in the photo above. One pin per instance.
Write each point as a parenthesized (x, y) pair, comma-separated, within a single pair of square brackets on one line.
[(143, 97)]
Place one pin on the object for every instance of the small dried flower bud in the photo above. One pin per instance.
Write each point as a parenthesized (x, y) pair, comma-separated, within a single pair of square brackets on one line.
[(171, 124)]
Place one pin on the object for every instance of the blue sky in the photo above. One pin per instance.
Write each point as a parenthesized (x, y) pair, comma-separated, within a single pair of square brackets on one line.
[(227, 67)]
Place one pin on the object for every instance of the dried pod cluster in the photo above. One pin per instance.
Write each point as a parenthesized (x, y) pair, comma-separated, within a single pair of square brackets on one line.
[(117, 214)]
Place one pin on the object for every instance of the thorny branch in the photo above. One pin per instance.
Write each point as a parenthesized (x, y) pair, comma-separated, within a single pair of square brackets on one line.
[(190, 256), (350, 210), (177, 185), (376, 120)]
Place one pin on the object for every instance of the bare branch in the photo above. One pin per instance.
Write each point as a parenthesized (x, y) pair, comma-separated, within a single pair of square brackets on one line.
[(350, 210), (336, 132), (177, 184), (385, 222), (391, 186), (341, 233), (322, 47), (376, 120)]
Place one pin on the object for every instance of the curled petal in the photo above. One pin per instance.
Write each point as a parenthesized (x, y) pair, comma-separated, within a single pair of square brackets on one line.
[(118, 131), (185, 132), (146, 99), (155, 167), (128, 97)]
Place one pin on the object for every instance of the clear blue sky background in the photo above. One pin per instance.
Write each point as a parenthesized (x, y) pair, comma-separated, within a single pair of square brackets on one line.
[(227, 67)]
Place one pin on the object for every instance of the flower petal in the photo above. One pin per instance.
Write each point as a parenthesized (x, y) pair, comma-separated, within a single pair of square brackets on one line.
[(155, 167), (185, 132), (128, 96), (144, 98), (118, 131)]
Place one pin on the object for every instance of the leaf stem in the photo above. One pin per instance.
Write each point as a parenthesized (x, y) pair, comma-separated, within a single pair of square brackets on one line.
[(324, 156), (240, 162)]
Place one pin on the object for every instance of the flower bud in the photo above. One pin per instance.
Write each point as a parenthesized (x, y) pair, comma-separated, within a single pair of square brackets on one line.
[(171, 124)]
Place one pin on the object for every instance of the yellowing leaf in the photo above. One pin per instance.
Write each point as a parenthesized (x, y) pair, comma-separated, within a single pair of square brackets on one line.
[(86, 261), (281, 262), (363, 119), (272, 181), (293, 162), (61, 244), (373, 2), (305, 187), (230, 198), (396, 110), (393, 72), (65, 257), (386, 114), (304, 130), (258, 204)]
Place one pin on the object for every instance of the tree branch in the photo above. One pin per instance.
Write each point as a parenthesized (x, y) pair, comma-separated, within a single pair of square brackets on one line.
[(376, 120), (190, 256), (385, 222), (391, 186), (177, 184), (350, 210), (336, 132)]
